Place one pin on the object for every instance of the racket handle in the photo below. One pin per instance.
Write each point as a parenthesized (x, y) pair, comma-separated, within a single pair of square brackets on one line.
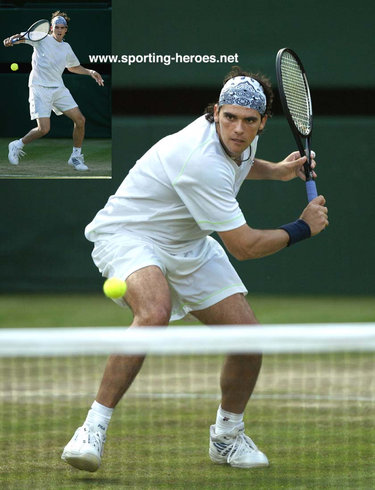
[(311, 190)]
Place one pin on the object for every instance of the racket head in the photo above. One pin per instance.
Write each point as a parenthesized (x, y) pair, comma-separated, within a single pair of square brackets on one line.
[(294, 92), (38, 30)]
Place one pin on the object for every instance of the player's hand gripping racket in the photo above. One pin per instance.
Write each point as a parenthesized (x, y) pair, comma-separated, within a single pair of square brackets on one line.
[(36, 32), (296, 101)]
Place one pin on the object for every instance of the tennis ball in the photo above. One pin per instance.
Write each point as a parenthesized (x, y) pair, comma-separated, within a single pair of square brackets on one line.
[(114, 288), (14, 66)]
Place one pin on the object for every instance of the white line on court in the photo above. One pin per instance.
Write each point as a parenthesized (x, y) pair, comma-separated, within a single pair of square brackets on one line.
[(270, 396), (17, 395)]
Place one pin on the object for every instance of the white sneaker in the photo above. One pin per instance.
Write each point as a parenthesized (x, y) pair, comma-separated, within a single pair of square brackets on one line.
[(85, 449), (236, 449), (15, 152), (78, 162)]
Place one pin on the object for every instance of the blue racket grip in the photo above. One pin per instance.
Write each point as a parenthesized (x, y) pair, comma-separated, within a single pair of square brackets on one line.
[(311, 190)]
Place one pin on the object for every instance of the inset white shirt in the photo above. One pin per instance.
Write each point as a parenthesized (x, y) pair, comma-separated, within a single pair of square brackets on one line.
[(49, 60)]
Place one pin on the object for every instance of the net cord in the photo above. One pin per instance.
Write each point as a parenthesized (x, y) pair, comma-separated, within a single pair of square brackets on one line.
[(269, 339)]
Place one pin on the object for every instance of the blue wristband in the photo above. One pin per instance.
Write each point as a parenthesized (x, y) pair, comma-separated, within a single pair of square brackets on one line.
[(297, 231)]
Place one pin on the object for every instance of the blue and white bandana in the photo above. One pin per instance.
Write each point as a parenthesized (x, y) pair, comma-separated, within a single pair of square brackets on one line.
[(244, 91), (59, 20)]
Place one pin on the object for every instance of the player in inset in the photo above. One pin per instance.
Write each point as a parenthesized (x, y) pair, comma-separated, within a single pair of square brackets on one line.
[(154, 233), (47, 90)]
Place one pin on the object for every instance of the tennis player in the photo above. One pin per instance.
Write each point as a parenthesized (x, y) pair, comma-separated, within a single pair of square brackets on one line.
[(47, 90), (155, 233)]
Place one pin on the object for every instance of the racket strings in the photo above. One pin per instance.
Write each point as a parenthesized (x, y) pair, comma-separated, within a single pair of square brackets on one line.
[(39, 31), (296, 93)]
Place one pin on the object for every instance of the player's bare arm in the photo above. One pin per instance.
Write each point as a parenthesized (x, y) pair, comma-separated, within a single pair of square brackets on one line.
[(288, 169), (81, 70), (8, 41), (249, 243)]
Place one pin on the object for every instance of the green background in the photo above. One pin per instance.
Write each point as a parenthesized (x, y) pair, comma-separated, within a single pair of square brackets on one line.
[(334, 38), (42, 246)]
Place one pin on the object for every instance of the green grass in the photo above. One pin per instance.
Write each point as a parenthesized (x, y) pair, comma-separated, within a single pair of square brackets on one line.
[(156, 442), (311, 414), (81, 310), (47, 158)]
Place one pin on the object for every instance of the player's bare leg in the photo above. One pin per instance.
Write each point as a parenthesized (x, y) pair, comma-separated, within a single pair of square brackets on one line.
[(149, 298), (43, 128), (240, 372), (76, 159), (79, 125), (228, 442)]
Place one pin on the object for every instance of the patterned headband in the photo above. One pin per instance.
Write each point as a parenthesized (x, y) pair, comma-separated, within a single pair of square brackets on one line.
[(244, 91), (59, 20)]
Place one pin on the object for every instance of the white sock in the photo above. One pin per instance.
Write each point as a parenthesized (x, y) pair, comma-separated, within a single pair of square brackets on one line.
[(99, 416), (20, 143), (226, 421), (76, 151)]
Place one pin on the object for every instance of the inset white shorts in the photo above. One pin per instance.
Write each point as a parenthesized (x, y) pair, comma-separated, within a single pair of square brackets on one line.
[(44, 99), (197, 279)]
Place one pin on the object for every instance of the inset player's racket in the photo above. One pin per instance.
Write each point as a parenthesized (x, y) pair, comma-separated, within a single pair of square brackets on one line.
[(296, 101), (36, 32)]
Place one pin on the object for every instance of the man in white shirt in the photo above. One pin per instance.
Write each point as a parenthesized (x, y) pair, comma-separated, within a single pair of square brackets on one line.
[(154, 233), (47, 91)]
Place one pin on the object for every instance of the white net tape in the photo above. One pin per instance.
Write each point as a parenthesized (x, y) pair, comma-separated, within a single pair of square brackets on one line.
[(188, 340)]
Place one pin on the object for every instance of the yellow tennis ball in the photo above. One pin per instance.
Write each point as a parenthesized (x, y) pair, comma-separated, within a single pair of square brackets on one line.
[(114, 288), (14, 66)]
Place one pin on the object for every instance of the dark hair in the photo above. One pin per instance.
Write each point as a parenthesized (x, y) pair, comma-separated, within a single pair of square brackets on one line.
[(237, 71), (61, 14)]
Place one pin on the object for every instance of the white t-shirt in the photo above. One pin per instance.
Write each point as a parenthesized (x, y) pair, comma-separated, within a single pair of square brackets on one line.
[(49, 60), (180, 191)]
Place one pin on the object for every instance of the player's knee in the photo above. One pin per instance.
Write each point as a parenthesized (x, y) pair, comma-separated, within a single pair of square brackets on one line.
[(80, 121), (43, 130), (154, 315)]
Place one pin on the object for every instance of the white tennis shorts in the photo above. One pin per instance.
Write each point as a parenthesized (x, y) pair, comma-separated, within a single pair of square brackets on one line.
[(197, 279), (43, 100)]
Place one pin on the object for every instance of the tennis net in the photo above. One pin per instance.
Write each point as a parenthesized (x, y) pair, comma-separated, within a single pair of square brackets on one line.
[(312, 411)]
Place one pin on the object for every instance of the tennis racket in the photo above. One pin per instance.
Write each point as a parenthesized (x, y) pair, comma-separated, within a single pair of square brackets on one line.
[(296, 101), (36, 32)]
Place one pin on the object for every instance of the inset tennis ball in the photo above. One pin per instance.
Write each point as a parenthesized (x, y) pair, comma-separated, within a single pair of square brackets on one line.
[(14, 66), (114, 288)]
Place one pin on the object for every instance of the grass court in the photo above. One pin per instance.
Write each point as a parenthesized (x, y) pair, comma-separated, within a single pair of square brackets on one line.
[(47, 158), (311, 414)]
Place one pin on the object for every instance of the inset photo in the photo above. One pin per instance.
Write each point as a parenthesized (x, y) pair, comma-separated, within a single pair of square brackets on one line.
[(56, 109)]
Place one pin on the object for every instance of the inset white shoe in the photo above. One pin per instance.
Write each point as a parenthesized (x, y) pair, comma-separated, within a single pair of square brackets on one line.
[(15, 152), (78, 162), (236, 449), (85, 450)]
